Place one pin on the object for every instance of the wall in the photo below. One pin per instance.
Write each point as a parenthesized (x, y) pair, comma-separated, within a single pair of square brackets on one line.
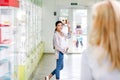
[(48, 7)]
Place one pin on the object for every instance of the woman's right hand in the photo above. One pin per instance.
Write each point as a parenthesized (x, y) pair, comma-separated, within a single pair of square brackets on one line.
[(65, 51)]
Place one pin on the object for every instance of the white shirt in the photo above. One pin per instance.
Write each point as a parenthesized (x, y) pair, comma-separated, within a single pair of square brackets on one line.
[(59, 42), (93, 70)]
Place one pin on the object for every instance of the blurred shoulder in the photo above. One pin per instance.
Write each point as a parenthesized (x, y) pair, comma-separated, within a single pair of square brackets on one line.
[(93, 52)]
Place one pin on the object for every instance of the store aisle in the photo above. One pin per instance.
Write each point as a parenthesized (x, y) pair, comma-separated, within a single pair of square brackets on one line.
[(71, 69)]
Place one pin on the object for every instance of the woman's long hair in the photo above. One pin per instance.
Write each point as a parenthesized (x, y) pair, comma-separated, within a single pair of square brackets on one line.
[(105, 29), (57, 24)]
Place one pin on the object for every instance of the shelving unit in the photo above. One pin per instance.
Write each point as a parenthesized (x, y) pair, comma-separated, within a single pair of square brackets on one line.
[(21, 47), (31, 47), (7, 43)]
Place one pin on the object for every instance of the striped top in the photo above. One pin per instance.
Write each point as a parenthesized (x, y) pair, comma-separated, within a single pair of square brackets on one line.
[(59, 42)]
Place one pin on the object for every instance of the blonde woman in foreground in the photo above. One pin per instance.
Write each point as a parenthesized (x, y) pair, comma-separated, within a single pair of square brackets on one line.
[(101, 61)]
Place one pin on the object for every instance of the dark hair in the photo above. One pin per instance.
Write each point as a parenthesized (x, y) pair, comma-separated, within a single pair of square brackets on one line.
[(57, 24), (78, 26)]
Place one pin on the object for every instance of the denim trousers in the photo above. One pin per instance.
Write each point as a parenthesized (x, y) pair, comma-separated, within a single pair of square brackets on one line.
[(59, 66)]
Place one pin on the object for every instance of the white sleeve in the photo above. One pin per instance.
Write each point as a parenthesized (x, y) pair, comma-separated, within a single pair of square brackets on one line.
[(86, 72)]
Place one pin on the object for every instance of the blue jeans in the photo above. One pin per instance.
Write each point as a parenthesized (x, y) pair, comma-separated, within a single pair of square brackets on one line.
[(59, 65)]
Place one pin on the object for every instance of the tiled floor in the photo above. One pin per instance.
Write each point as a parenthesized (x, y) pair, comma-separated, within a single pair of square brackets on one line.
[(71, 69)]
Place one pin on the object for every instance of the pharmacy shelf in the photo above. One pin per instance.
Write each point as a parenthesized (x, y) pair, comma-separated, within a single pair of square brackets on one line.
[(7, 43)]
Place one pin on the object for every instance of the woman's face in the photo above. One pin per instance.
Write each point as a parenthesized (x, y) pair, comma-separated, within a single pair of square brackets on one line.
[(59, 27)]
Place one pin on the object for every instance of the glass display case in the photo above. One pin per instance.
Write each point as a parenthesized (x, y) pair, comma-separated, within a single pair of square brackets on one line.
[(29, 48), (20, 40), (7, 42)]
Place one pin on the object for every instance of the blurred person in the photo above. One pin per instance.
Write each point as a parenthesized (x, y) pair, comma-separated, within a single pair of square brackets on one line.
[(59, 44), (101, 61), (78, 30), (79, 35)]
